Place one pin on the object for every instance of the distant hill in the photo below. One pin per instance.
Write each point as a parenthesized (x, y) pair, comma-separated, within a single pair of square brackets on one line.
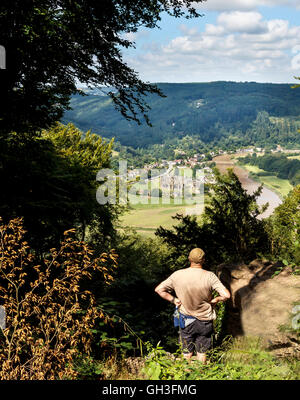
[(208, 110)]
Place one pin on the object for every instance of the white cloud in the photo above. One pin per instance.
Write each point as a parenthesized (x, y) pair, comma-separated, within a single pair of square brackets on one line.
[(238, 21), (295, 63), (134, 36), (243, 5), (223, 5), (240, 46), (214, 30), (188, 31)]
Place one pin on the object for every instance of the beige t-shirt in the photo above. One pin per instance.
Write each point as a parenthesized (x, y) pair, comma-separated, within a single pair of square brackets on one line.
[(193, 287)]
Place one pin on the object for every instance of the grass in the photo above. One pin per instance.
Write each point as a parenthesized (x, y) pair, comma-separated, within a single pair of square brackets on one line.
[(243, 358), (294, 157), (146, 218), (281, 186)]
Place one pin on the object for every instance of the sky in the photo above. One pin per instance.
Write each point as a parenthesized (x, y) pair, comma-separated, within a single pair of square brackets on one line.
[(234, 40)]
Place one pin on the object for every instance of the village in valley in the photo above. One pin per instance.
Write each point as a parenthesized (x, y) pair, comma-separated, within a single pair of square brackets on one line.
[(183, 177), (169, 173)]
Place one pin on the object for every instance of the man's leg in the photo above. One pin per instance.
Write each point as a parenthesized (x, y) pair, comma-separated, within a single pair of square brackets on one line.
[(188, 356), (187, 342), (201, 357), (203, 340)]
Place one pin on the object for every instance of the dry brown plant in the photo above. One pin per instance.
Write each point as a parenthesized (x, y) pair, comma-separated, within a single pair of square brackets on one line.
[(49, 316)]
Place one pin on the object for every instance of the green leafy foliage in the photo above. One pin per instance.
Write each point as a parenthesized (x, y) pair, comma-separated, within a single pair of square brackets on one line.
[(87, 367), (163, 365), (284, 230), (50, 182), (241, 359), (142, 264)]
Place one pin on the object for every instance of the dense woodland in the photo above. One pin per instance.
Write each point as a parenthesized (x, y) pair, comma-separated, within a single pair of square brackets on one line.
[(228, 114)]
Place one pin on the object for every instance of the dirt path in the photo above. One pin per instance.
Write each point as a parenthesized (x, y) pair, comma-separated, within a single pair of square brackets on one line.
[(262, 304), (224, 162)]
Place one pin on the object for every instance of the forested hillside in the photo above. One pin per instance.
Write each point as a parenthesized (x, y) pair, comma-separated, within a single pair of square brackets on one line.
[(215, 112)]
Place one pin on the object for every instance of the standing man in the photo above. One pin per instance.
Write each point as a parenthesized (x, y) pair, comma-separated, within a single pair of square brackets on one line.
[(192, 288)]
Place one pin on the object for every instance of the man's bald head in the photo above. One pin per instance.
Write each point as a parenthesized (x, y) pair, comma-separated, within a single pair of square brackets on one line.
[(196, 256)]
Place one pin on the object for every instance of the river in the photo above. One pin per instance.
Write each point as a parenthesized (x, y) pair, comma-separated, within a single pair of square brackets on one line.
[(224, 162)]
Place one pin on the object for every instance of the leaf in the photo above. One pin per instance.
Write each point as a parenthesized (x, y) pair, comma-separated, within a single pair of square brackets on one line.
[(98, 370), (154, 371)]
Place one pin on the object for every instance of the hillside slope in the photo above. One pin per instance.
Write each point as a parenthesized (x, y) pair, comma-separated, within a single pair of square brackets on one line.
[(208, 110), (262, 303)]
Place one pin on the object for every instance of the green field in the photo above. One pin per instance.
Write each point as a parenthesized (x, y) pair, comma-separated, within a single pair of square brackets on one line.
[(294, 157), (281, 186), (146, 218)]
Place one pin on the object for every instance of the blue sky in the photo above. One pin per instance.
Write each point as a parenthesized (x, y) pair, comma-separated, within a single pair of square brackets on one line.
[(235, 40)]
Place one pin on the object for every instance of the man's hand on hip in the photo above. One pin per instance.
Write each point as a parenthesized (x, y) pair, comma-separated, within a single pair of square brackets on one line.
[(177, 302)]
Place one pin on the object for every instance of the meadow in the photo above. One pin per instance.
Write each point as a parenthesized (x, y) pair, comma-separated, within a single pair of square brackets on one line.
[(281, 186), (294, 157), (146, 218)]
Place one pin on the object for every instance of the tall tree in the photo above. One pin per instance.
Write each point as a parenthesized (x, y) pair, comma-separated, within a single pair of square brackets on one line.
[(51, 182), (52, 44)]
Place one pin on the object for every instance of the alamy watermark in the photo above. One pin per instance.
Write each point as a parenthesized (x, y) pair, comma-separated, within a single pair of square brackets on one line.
[(2, 57), (170, 185)]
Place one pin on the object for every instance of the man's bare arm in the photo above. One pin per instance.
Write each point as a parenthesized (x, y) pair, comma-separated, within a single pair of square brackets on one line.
[(167, 296), (224, 295)]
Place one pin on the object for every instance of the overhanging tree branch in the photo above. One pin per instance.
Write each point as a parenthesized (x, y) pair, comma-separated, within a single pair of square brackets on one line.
[(52, 44)]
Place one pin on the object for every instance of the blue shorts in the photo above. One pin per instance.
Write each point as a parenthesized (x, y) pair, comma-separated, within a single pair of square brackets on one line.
[(197, 336)]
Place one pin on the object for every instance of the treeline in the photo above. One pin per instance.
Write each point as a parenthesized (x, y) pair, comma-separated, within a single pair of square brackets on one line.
[(277, 164), (265, 132), (172, 148)]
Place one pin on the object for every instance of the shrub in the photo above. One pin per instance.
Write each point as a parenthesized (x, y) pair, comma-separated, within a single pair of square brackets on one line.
[(48, 315), (284, 229), (239, 359)]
